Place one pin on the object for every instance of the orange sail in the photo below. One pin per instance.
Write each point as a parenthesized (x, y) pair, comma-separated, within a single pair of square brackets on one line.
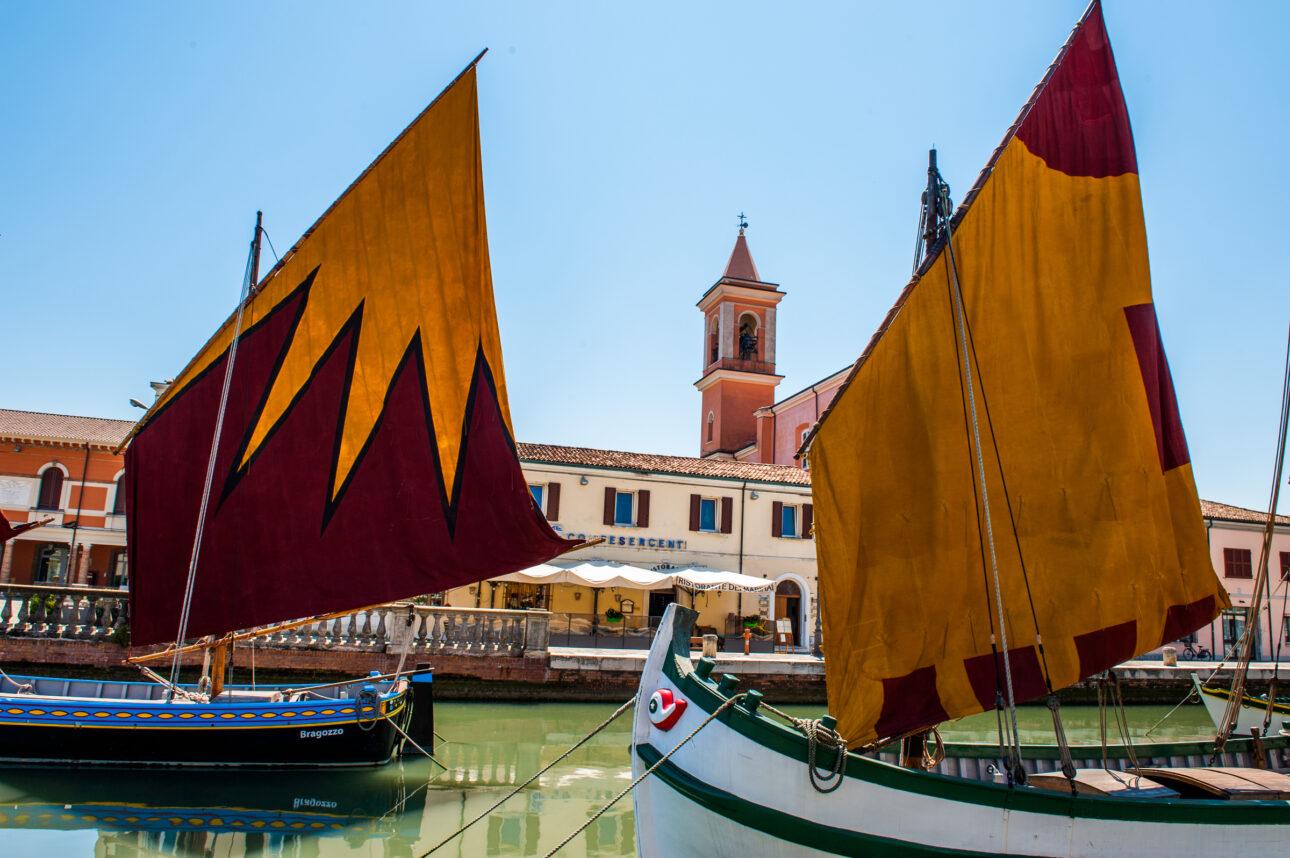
[(1101, 552), (367, 452)]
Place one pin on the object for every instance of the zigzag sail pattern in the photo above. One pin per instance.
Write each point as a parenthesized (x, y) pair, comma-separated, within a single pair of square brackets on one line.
[(367, 453), (1079, 419)]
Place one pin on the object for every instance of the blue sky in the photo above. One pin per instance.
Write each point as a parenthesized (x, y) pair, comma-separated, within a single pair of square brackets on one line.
[(620, 142)]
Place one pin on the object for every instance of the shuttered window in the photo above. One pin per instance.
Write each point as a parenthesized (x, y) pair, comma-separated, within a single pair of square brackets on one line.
[(552, 501), (626, 509), (708, 514), (1285, 565), (1236, 563), (51, 489), (538, 492)]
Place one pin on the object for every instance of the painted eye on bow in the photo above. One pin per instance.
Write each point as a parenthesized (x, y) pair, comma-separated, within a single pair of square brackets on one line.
[(665, 708)]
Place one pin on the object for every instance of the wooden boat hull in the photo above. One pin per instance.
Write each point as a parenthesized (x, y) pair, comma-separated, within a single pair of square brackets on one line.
[(44, 729), (1252, 713), (740, 788)]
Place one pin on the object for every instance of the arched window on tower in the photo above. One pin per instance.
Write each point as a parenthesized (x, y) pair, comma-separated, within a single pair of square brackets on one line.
[(712, 419), (748, 337), (51, 489), (714, 341)]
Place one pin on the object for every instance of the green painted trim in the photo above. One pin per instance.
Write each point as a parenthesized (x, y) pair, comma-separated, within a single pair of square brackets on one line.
[(780, 825), (790, 743)]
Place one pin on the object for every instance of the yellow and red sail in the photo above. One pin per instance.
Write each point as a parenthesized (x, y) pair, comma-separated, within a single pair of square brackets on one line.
[(1101, 550), (367, 452)]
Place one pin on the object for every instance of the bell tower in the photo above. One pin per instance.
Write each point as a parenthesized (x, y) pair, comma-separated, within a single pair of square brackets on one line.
[(738, 355)]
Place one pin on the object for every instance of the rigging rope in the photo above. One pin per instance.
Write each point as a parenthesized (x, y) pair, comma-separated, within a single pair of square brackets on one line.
[(957, 291), (730, 701), (619, 711), (1232, 712), (210, 467)]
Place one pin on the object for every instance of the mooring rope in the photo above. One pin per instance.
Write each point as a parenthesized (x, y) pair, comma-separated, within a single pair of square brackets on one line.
[(619, 711), (730, 701)]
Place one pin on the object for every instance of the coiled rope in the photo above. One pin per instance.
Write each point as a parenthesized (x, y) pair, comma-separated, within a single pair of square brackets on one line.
[(619, 711), (823, 780), (730, 701)]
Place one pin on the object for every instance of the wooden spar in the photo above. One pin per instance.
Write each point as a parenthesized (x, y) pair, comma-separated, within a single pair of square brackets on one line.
[(165, 397), (218, 666), (255, 252)]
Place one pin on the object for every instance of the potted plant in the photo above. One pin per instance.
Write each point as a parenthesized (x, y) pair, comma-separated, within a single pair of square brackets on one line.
[(613, 615)]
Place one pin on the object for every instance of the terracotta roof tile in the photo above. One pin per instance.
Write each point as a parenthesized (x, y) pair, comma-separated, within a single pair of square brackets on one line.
[(62, 428), (1227, 512), (654, 463)]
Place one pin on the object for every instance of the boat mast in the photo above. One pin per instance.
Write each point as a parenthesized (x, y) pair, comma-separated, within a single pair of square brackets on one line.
[(933, 217)]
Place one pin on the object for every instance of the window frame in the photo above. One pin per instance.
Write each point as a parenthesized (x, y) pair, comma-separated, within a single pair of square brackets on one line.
[(715, 504), (537, 491), (632, 508), (51, 473)]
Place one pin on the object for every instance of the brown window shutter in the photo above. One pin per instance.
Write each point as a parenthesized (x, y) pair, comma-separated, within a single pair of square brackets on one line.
[(808, 520), (552, 501), (777, 519), (727, 515), (642, 508), (695, 500), (610, 491)]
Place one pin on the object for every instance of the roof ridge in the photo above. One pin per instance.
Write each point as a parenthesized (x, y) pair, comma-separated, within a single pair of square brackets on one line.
[(58, 414)]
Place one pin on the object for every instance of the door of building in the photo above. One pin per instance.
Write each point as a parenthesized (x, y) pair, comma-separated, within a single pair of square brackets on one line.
[(788, 605), (658, 602)]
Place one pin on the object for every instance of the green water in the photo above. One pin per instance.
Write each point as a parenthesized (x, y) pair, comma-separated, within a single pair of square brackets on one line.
[(405, 809)]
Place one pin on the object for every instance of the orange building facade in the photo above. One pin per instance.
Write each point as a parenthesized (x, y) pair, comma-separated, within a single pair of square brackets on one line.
[(62, 467)]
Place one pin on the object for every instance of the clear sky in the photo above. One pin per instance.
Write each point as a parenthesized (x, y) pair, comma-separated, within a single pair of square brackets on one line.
[(620, 142)]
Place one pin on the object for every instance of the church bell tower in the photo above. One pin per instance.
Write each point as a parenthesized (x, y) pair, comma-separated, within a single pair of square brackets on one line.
[(738, 355)]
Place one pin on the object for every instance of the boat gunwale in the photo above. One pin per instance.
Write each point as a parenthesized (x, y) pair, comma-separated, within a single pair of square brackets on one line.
[(787, 742)]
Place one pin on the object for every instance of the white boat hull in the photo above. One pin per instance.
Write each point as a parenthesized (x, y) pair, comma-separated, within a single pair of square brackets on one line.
[(1251, 715), (740, 788)]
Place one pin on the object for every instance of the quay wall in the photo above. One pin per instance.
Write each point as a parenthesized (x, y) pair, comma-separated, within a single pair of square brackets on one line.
[(556, 675)]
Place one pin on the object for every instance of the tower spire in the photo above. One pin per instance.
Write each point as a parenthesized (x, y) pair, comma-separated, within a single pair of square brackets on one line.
[(741, 265)]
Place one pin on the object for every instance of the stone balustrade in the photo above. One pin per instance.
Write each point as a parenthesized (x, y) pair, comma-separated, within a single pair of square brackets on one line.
[(87, 613), (425, 630), (75, 613)]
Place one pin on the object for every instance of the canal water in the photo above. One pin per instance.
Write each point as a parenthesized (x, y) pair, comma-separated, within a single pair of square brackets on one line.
[(405, 809)]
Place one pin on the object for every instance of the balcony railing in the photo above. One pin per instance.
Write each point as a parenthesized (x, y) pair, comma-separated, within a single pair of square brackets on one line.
[(742, 365)]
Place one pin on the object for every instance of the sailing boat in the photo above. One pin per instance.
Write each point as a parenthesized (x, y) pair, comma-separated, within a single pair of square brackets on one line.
[(342, 441), (1004, 506)]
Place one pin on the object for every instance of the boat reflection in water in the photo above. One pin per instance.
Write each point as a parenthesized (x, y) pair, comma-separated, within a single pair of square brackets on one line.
[(395, 811), (225, 813)]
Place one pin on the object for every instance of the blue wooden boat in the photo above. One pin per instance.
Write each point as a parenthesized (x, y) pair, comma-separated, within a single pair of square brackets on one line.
[(106, 722)]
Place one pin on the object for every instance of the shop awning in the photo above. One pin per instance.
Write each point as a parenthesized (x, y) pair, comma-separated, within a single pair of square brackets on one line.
[(592, 574), (697, 578)]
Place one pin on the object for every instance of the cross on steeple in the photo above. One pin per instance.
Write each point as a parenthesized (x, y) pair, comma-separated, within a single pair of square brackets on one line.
[(743, 223)]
